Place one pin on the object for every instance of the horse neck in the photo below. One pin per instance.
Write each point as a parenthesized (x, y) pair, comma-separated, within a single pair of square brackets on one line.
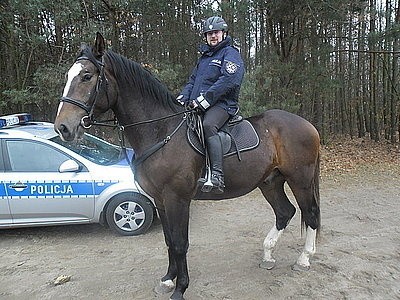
[(139, 97), (133, 108)]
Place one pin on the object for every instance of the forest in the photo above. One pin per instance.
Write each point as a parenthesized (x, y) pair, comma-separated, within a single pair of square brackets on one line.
[(333, 62)]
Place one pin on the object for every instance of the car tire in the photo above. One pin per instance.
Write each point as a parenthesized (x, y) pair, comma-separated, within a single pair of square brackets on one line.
[(130, 214)]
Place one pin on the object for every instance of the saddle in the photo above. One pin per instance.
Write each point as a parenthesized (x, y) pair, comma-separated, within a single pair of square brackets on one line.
[(237, 135)]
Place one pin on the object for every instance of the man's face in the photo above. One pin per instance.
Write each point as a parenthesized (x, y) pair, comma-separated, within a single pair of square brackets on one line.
[(214, 37)]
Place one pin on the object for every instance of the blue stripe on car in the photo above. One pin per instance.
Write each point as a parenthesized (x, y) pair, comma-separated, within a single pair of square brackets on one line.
[(54, 189)]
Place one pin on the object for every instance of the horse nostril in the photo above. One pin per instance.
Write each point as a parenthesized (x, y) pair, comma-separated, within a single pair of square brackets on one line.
[(63, 129), (65, 132)]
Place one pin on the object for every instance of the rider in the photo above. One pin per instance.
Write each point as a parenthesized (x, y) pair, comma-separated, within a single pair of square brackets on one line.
[(214, 88)]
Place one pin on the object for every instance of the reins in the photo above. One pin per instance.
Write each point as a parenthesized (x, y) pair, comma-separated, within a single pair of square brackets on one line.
[(122, 127), (150, 151)]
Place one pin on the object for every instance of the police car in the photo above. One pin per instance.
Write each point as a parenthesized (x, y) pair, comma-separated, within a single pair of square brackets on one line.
[(45, 181)]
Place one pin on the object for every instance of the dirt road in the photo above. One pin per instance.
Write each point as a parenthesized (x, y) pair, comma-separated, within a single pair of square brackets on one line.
[(358, 255)]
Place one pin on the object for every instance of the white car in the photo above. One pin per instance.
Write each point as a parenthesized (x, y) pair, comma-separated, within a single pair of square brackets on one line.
[(45, 181)]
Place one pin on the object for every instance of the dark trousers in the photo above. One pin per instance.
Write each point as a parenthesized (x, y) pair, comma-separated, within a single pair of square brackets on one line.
[(214, 118)]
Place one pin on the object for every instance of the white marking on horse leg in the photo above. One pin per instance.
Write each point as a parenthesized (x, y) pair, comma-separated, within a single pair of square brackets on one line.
[(72, 73), (165, 287), (273, 235), (309, 248)]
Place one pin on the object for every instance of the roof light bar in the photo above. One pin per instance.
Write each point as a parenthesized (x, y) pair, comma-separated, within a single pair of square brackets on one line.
[(16, 119)]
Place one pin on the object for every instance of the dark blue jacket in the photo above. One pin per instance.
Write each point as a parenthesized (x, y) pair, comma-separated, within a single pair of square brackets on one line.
[(217, 76)]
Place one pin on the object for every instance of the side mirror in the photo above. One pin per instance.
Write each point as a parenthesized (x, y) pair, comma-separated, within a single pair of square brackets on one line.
[(69, 166)]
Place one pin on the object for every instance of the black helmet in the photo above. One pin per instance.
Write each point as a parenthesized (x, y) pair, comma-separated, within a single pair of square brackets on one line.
[(214, 23)]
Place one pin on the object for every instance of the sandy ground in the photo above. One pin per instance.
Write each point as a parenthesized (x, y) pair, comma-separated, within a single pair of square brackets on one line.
[(358, 255)]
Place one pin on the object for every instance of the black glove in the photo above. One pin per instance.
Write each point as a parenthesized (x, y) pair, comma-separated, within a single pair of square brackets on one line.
[(192, 104)]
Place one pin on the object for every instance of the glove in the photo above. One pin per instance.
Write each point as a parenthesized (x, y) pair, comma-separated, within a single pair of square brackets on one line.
[(181, 100), (192, 104)]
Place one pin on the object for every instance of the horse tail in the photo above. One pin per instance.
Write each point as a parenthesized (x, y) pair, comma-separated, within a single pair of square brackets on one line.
[(315, 206), (315, 187)]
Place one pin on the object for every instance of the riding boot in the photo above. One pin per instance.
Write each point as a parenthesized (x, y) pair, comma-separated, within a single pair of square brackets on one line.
[(214, 148)]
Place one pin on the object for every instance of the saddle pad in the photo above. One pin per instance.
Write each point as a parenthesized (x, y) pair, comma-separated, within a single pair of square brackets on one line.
[(244, 137)]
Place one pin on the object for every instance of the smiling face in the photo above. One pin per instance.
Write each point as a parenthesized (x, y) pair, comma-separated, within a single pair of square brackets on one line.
[(214, 37)]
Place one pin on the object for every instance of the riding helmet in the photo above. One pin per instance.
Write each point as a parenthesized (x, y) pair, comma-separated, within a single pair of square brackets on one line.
[(214, 23)]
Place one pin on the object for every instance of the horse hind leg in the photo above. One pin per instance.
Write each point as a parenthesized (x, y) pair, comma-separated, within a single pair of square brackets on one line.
[(303, 262), (273, 190), (306, 193)]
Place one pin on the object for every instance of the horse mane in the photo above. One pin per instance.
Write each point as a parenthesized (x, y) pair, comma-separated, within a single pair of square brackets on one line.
[(132, 74)]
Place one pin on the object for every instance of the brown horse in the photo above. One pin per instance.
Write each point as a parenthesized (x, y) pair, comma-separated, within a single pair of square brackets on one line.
[(288, 152)]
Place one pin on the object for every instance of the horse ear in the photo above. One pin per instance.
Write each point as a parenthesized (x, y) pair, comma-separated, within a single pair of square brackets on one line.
[(99, 46), (83, 47)]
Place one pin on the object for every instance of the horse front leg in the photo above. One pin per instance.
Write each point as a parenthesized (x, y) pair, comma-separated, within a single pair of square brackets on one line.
[(175, 221), (167, 282)]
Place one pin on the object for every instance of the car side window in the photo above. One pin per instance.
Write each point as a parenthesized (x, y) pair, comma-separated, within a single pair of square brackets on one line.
[(31, 156)]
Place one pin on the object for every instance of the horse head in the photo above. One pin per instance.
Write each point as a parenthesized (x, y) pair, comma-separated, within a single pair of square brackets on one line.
[(85, 93)]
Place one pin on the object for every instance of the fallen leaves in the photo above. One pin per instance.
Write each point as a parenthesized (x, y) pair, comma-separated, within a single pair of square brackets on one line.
[(345, 154)]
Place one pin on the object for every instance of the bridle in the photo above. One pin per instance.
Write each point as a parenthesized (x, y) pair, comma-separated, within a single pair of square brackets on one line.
[(88, 120)]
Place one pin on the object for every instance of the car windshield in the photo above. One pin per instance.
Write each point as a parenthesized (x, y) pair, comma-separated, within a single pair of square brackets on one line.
[(93, 149)]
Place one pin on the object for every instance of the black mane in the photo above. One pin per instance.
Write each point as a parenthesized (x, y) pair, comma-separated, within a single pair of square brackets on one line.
[(134, 75)]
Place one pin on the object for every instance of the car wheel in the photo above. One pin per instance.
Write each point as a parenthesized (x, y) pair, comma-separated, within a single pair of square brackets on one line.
[(130, 214)]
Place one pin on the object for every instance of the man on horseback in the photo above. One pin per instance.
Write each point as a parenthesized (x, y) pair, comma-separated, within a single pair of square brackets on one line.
[(214, 87)]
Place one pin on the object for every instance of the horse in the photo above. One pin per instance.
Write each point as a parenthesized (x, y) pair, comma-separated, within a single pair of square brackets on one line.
[(153, 122)]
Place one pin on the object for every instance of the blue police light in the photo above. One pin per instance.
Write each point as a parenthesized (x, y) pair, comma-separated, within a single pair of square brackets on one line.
[(16, 119)]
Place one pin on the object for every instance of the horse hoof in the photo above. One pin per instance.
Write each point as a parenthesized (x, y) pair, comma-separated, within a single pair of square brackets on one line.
[(300, 268), (176, 296), (269, 265), (164, 287)]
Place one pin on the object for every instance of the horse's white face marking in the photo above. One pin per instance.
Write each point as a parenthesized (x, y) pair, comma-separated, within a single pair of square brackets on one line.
[(59, 108), (72, 73)]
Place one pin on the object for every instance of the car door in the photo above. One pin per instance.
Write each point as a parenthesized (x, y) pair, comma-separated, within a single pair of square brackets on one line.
[(38, 192), (5, 214)]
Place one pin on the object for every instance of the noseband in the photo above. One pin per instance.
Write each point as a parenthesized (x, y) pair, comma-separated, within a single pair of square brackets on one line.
[(87, 121)]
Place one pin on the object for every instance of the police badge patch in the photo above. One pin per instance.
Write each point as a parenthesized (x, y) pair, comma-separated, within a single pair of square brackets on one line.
[(231, 67)]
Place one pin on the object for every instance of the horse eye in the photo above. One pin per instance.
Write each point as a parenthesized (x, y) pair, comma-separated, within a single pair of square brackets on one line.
[(87, 77)]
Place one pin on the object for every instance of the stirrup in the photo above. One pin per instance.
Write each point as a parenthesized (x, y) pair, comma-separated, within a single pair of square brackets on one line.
[(210, 186), (218, 183), (206, 185)]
